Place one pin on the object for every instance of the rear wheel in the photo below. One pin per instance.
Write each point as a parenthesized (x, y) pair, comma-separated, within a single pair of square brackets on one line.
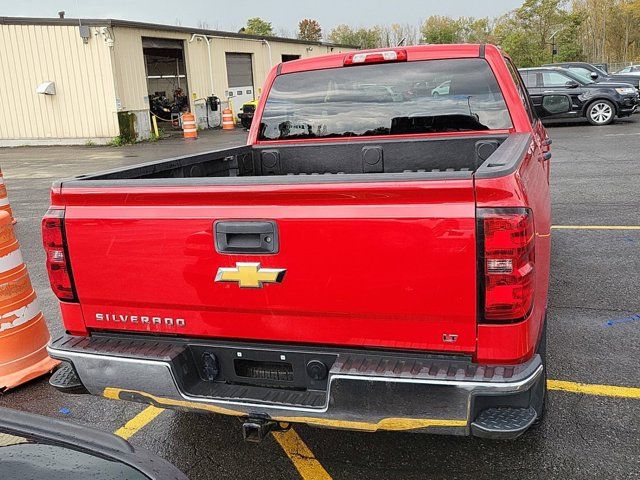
[(601, 112)]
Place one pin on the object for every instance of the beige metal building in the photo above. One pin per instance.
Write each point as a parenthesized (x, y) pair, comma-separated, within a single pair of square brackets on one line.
[(70, 81)]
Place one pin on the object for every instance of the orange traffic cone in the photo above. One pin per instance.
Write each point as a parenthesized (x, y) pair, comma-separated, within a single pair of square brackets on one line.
[(4, 200), (227, 119), (189, 128), (23, 332)]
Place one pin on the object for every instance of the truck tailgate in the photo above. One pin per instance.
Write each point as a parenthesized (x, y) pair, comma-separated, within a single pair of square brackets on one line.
[(386, 264)]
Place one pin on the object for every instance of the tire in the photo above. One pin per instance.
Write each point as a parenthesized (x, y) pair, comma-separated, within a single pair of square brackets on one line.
[(435, 94), (601, 112), (246, 122)]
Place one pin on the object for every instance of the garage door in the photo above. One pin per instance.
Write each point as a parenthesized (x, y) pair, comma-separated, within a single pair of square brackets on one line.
[(240, 78)]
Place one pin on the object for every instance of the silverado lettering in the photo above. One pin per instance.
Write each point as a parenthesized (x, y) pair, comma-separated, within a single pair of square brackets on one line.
[(112, 317), (405, 193)]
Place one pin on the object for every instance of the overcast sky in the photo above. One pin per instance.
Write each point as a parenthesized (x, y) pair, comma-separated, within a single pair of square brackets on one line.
[(232, 14)]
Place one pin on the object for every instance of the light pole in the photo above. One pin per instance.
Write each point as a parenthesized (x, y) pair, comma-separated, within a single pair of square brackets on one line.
[(552, 38)]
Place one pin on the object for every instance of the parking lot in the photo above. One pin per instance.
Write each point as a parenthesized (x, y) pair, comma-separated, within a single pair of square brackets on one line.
[(592, 425)]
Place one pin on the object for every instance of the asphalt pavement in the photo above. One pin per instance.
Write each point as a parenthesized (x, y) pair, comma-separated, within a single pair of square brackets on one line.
[(593, 338)]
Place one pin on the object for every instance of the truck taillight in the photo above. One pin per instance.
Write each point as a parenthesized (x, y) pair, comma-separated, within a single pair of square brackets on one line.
[(382, 56), (58, 266), (506, 239)]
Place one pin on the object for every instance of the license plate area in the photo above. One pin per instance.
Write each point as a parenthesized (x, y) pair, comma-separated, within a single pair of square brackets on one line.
[(261, 367), (260, 370)]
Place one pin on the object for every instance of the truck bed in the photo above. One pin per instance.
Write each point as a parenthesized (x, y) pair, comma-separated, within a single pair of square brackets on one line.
[(448, 156)]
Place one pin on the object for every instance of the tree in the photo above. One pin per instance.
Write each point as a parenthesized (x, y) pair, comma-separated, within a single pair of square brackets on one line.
[(309, 30), (257, 26), (439, 29), (475, 30), (369, 37), (343, 34), (518, 42), (284, 33), (631, 11), (568, 44), (362, 37), (525, 33), (592, 30), (616, 36), (395, 33)]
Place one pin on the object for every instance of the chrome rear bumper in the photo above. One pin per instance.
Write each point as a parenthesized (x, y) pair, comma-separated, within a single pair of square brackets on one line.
[(366, 391)]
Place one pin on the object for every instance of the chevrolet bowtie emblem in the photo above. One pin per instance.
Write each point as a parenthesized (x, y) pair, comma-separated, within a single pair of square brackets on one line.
[(250, 275)]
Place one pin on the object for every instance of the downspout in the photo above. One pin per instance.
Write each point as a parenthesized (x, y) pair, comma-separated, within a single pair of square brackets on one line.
[(109, 41), (268, 48), (208, 40)]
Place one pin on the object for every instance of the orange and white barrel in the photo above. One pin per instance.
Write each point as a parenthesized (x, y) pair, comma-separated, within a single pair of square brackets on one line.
[(227, 119), (23, 332), (189, 128), (4, 199)]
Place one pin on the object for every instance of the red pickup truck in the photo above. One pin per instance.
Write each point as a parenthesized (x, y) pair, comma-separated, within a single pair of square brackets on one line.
[(376, 258)]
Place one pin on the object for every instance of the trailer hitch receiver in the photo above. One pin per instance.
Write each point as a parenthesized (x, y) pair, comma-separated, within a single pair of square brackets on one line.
[(254, 429)]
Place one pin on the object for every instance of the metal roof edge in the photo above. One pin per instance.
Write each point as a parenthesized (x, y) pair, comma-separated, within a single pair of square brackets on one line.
[(110, 22)]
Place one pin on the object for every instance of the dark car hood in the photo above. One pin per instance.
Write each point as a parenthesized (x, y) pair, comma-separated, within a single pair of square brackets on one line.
[(611, 84), (618, 79)]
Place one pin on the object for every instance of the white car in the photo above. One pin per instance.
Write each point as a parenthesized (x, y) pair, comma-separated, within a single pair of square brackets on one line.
[(630, 70), (442, 89)]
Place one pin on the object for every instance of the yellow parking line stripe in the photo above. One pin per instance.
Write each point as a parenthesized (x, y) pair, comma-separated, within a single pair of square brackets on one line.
[(590, 389), (595, 227), (305, 461), (300, 455), (138, 422)]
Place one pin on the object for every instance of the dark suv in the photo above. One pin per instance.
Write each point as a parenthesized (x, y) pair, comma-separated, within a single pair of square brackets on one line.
[(598, 102), (596, 74)]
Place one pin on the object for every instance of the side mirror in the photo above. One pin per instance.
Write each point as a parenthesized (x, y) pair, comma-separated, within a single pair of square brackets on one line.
[(593, 75), (572, 84), (554, 105)]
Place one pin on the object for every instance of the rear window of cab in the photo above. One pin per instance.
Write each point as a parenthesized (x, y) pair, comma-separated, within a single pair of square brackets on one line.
[(385, 99)]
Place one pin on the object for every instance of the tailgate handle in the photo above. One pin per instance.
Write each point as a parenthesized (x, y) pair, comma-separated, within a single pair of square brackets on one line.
[(246, 237)]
